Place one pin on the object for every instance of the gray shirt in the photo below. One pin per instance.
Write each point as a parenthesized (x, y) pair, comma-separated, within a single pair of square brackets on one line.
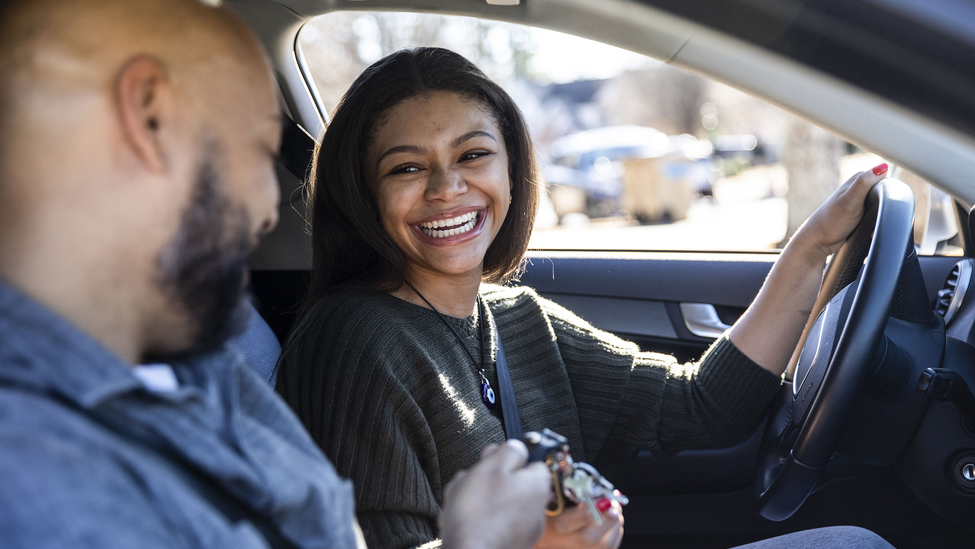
[(71, 474)]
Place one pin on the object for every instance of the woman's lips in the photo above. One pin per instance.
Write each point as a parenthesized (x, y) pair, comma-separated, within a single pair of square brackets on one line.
[(444, 228), (455, 228)]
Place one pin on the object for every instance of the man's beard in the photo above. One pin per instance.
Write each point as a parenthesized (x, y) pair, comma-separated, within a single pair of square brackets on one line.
[(204, 268)]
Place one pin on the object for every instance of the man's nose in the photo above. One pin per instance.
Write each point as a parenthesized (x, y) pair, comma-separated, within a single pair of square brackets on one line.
[(270, 222), (445, 184), (271, 214)]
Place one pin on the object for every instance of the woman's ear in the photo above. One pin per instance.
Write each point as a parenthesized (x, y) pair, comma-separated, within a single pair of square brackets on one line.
[(145, 104)]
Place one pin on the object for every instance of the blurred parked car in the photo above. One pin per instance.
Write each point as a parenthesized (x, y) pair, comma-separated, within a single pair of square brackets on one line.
[(639, 170)]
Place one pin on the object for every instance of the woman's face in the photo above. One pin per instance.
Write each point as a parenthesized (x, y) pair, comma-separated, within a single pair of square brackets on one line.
[(438, 170)]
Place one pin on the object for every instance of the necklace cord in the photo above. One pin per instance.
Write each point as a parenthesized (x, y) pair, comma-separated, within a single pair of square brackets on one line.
[(480, 324)]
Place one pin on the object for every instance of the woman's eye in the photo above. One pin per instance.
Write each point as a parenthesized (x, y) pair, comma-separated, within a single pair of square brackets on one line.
[(404, 169), (472, 155)]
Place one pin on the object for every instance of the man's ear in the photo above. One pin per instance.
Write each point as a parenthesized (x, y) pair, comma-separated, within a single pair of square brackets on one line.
[(145, 104)]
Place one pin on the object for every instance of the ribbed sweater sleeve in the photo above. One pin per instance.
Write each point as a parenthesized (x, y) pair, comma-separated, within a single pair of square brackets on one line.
[(629, 400)]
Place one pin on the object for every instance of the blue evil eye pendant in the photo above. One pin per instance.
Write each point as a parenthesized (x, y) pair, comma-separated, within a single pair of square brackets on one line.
[(487, 394)]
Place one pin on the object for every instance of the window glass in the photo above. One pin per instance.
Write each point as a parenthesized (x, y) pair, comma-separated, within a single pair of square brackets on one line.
[(635, 154)]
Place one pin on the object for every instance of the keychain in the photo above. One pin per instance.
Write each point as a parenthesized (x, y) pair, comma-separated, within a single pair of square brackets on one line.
[(576, 482)]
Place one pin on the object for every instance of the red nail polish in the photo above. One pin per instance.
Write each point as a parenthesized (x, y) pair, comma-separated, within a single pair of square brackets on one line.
[(881, 169), (603, 504)]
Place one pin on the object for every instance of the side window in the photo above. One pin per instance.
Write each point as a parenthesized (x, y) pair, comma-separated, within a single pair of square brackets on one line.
[(635, 154)]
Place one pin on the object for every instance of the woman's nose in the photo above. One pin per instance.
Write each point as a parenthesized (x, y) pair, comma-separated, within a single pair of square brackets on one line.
[(445, 185)]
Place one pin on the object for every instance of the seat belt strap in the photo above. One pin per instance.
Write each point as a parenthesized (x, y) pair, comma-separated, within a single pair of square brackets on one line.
[(509, 406)]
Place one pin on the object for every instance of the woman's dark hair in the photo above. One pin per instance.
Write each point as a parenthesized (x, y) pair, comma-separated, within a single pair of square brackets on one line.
[(349, 246)]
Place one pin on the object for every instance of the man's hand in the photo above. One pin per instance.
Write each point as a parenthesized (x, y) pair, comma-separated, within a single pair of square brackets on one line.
[(574, 528), (498, 504)]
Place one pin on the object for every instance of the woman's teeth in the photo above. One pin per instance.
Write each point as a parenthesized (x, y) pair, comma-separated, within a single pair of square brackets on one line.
[(449, 227)]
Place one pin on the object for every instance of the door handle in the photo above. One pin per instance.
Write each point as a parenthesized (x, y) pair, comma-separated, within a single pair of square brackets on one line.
[(702, 320)]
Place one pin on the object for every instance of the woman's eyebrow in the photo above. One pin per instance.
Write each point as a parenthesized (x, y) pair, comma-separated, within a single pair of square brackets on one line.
[(400, 149), (420, 150), (471, 135)]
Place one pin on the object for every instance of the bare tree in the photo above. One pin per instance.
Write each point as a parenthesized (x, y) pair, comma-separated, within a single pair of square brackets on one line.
[(811, 158), (399, 30), (331, 49), (684, 92), (663, 97), (339, 46)]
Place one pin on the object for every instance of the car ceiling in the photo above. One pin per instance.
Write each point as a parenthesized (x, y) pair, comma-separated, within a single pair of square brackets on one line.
[(892, 76)]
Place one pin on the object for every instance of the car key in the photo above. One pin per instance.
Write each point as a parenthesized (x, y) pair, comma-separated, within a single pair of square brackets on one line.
[(580, 485), (602, 488)]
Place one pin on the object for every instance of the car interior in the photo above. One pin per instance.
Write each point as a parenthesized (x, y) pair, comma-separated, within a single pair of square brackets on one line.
[(875, 426)]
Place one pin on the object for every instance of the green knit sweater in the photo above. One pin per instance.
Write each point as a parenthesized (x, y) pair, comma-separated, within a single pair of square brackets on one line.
[(394, 401)]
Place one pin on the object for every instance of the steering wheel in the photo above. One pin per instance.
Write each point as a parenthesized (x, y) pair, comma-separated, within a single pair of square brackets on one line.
[(836, 353)]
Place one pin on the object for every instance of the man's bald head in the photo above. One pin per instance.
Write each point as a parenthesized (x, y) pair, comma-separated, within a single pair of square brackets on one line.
[(137, 140), (71, 45)]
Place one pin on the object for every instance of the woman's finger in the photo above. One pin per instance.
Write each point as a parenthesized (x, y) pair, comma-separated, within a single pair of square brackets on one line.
[(613, 539), (854, 190), (830, 225), (864, 181), (598, 532), (850, 200), (619, 512), (572, 520)]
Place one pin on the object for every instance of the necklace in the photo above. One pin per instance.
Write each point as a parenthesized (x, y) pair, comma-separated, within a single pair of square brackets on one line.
[(487, 392)]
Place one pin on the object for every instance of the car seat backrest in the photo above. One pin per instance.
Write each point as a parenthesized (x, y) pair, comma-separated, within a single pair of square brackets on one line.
[(259, 346)]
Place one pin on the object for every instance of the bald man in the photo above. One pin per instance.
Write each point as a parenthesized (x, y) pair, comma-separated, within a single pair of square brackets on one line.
[(137, 146)]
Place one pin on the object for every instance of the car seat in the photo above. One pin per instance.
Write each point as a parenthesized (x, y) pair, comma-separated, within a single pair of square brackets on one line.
[(259, 345)]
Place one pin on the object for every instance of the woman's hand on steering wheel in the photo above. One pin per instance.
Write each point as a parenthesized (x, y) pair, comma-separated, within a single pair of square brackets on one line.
[(574, 528), (829, 226), (770, 328)]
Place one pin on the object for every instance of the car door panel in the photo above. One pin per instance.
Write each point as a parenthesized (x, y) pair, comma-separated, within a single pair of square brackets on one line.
[(704, 498), (638, 317), (730, 279), (617, 291)]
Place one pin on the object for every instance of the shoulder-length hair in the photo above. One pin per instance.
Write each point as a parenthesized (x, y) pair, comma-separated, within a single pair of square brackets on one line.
[(349, 247)]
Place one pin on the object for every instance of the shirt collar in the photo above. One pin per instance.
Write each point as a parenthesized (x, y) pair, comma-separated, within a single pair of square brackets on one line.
[(157, 378), (40, 348)]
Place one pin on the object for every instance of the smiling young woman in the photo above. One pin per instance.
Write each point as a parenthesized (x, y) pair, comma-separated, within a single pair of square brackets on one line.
[(438, 170), (424, 192), (350, 246)]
